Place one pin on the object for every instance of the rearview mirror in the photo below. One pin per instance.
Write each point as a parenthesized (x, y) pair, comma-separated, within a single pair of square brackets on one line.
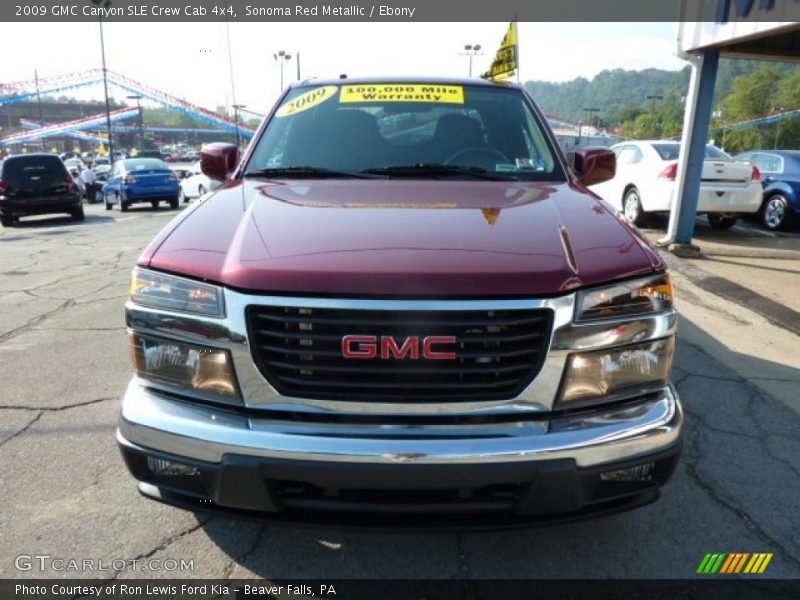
[(594, 165), (219, 160)]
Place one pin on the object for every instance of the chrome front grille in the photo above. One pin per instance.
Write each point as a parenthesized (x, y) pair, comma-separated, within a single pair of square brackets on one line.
[(497, 353)]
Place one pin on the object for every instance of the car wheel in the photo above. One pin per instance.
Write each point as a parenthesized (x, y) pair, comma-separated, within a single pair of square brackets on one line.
[(77, 213), (632, 208), (720, 221), (182, 197), (154, 203), (7, 220), (774, 212), (109, 206), (174, 203), (201, 191), (123, 205)]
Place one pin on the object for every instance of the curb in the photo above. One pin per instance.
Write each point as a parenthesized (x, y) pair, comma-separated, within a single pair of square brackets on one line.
[(774, 312)]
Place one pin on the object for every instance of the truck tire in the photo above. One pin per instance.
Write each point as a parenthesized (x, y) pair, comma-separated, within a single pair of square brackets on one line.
[(7, 220)]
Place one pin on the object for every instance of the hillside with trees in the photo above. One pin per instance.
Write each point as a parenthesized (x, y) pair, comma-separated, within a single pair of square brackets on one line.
[(745, 89)]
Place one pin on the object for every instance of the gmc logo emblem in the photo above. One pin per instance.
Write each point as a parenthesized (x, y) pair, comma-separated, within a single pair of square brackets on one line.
[(371, 346)]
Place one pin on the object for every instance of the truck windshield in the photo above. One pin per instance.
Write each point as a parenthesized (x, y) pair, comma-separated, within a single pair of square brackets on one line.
[(400, 130)]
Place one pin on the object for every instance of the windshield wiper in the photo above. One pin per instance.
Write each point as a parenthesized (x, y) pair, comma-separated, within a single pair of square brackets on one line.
[(304, 171), (434, 170)]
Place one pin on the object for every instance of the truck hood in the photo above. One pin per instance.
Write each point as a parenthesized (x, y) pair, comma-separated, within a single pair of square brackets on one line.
[(400, 237)]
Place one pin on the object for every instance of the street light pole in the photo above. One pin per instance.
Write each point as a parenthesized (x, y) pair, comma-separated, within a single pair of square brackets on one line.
[(471, 50), (141, 119), (281, 57), (236, 108)]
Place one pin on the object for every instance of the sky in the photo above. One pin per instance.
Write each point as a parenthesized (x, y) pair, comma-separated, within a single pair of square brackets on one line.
[(190, 60)]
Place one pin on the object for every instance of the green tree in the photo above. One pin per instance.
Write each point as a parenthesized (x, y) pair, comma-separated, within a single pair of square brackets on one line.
[(753, 95), (789, 92)]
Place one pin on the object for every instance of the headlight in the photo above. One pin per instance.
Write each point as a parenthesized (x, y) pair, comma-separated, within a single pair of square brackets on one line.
[(606, 375), (159, 290), (207, 371), (631, 298)]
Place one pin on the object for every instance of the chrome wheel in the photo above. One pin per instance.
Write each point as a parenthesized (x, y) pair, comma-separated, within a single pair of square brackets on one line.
[(775, 212), (632, 207)]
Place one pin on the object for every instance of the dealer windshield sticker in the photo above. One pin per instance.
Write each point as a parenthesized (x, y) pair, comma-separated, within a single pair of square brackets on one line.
[(403, 92), (305, 101)]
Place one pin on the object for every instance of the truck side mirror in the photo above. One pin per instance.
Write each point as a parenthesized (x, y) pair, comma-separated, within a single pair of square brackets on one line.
[(219, 160), (594, 165)]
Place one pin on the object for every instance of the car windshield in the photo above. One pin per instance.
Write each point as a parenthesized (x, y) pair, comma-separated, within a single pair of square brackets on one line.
[(670, 151), (406, 130)]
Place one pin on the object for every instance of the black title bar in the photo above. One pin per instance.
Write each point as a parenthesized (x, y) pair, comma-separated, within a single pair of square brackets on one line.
[(400, 10)]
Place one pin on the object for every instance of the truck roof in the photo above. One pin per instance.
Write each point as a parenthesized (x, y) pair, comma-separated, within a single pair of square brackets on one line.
[(407, 79)]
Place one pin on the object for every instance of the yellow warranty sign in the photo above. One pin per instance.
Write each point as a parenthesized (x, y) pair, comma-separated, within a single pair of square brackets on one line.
[(305, 101), (403, 92)]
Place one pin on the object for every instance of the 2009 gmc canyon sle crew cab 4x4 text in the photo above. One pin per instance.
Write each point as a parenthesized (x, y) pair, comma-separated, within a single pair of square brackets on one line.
[(402, 301)]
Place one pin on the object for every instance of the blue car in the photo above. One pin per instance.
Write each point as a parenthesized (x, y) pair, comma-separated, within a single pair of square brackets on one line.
[(140, 180), (780, 176)]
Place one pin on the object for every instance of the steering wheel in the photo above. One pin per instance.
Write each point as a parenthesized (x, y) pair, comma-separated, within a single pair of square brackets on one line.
[(486, 153)]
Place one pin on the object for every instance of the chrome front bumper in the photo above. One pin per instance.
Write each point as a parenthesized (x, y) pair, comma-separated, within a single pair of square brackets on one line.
[(156, 422)]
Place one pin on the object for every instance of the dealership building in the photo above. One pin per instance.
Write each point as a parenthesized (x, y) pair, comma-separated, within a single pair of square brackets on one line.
[(755, 29)]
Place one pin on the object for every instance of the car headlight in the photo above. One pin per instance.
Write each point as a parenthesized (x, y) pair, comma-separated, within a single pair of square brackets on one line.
[(631, 298), (615, 373), (206, 371), (159, 290)]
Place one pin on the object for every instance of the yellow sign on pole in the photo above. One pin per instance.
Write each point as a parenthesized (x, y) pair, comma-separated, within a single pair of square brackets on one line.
[(506, 60)]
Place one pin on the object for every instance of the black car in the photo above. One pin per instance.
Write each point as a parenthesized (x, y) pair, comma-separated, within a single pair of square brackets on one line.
[(35, 184)]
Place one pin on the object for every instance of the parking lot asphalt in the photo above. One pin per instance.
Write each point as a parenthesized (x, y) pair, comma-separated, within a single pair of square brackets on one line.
[(64, 491)]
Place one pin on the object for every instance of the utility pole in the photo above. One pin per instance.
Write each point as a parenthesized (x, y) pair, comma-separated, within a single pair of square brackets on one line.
[(105, 90), (590, 112), (777, 131), (653, 97), (141, 119), (236, 108), (297, 61), (39, 102)]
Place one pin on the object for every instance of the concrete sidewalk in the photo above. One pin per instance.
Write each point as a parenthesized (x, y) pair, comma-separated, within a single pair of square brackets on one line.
[(743, 297), (748, 265)]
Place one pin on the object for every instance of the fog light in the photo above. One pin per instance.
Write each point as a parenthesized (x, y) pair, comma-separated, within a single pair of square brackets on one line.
[(607, 375), (638, 473), (207, 371), (159, 466)]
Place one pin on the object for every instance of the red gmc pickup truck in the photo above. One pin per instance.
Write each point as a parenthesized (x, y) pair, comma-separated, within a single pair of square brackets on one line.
[(402, 302)]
